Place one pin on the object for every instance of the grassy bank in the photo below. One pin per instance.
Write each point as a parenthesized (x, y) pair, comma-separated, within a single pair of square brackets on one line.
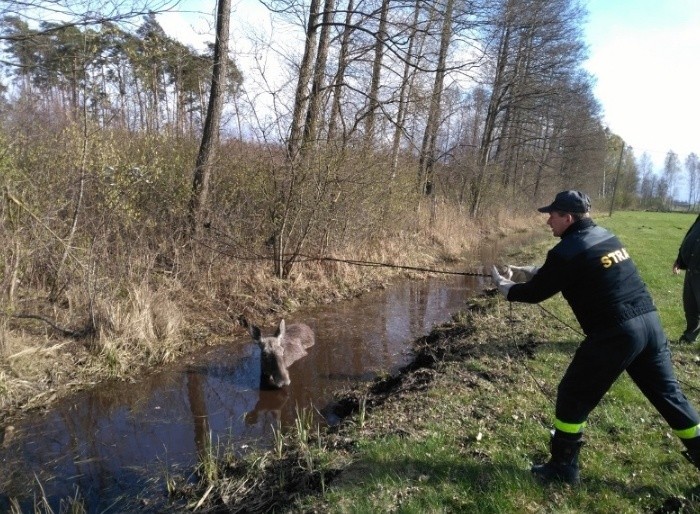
[(458, 431)]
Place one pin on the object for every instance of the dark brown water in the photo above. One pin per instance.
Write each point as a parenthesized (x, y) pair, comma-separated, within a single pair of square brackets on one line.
[(114, 445)]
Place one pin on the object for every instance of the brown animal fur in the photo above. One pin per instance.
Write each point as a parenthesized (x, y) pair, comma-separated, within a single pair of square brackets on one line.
[(280, 351)]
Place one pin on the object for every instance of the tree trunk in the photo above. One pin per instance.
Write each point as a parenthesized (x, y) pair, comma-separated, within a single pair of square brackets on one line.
[(340, 74), (404, 93), (497, 94), (305, 73), (427, 154), (376, 74), (317, 86), (210, 137)]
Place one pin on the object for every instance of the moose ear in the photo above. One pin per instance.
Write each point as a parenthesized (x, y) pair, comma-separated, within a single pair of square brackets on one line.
[(254, 332), (281, 329)]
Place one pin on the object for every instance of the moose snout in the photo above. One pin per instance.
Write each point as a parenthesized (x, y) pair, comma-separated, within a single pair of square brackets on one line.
[(270, 382)]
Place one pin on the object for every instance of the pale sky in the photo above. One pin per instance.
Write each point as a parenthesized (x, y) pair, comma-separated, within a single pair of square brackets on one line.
[(193, 23), (643, 54)]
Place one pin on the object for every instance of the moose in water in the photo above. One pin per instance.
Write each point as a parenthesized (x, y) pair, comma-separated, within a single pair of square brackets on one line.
[(280, 351)]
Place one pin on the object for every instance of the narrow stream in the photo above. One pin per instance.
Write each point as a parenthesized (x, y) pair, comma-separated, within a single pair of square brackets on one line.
[(113, 446)]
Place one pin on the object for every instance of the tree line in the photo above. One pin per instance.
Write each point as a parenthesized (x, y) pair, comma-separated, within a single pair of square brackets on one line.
[(142, 81), (389, 112)]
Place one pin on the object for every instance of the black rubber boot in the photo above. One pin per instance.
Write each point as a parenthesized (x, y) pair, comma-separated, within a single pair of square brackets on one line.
[(692, 451), (563, 465)]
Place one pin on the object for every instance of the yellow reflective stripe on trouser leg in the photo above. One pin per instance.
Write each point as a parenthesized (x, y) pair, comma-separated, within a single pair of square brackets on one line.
[(569, 428), (688, 433)]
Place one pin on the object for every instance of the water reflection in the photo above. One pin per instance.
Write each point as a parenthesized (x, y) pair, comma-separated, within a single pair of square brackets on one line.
[(268, 408), (108, 442)]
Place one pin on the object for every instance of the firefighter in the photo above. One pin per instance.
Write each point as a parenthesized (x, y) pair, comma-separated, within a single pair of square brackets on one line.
[(689, 260), (623, 332)]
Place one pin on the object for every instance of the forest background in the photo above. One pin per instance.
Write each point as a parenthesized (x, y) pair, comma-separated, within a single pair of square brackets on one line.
[(149, 201)]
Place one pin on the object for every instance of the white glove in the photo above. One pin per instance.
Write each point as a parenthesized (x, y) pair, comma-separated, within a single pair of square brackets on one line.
[(502, 283), (522, 273)]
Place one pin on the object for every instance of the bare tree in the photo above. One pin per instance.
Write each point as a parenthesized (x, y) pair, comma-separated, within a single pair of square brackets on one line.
[(536, 69), (210, 137), (60, 14), (338, 80), (692, 166), (647, 186), (415, 40), (672, 169), (306, 71), (318, 86), (427, 153), (499, 89), (379, 49)]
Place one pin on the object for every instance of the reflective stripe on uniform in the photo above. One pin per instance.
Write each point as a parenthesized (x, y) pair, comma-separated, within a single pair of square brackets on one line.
[(688, 433), (569, 428)]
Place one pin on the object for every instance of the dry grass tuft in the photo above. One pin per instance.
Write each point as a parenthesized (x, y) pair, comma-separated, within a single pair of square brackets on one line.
[(32, 370), (146, 324), (453, 232)]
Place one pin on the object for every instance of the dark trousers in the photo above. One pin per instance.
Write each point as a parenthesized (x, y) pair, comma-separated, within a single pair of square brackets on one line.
[(639, 346), (691, 305)]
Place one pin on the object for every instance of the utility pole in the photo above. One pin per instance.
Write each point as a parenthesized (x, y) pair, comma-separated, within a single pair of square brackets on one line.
[(617, 178)]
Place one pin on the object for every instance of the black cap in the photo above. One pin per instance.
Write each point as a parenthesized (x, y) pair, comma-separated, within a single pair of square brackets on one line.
[(569, 201)]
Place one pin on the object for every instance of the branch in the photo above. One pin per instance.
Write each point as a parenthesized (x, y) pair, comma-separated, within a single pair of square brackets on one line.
[(77, 334)]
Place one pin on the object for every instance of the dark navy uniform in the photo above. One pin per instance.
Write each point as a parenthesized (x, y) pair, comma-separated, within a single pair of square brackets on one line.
[(599, 280), (689, 260)]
